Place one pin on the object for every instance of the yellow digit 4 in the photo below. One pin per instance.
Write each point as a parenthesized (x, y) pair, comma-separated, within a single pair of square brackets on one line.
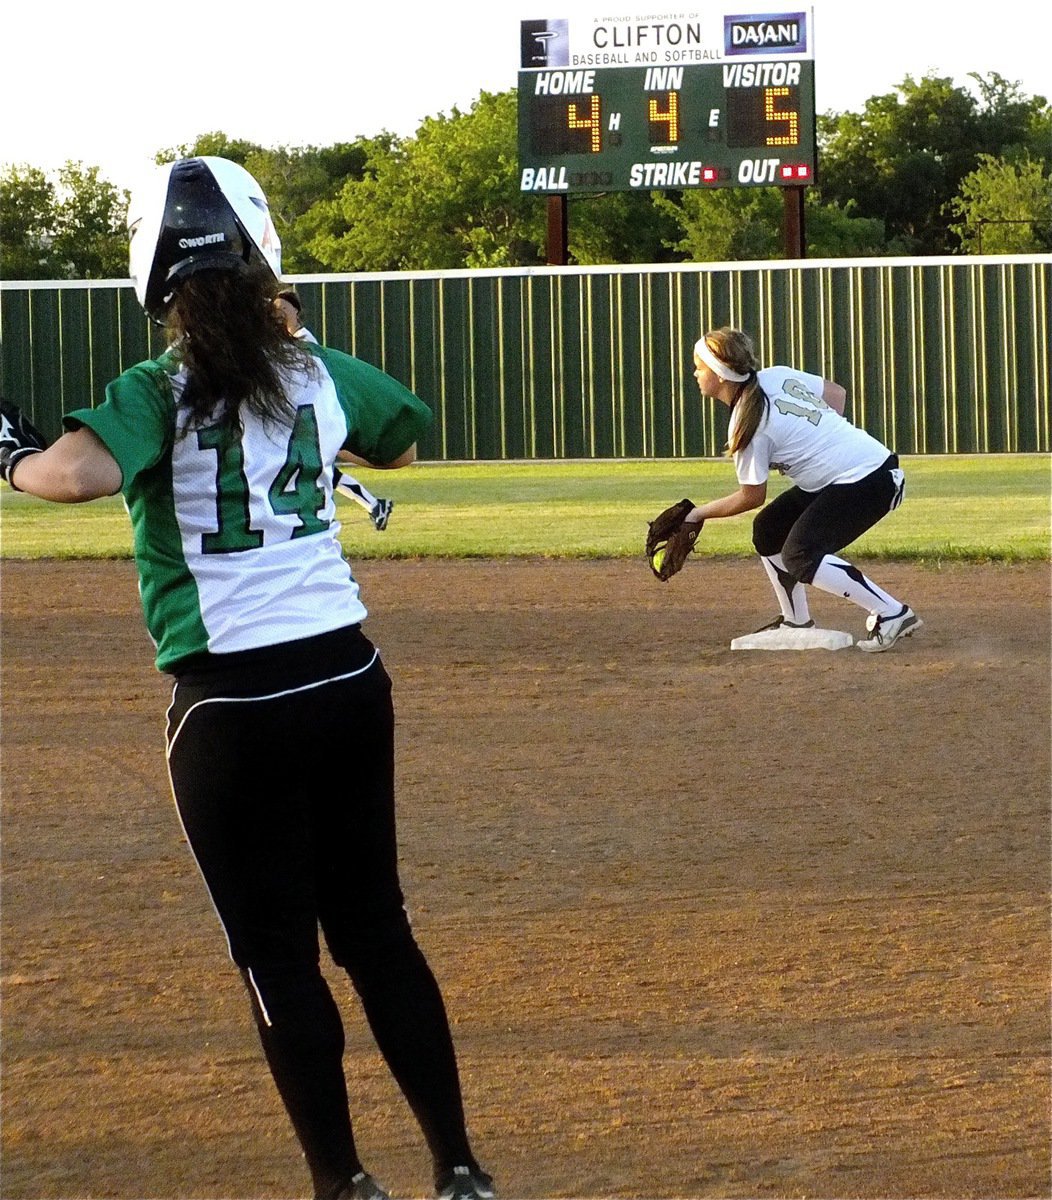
[(590, 122), (670, 116)]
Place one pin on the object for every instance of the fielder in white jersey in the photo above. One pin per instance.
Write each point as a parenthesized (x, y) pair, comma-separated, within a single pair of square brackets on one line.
[(845, 481)]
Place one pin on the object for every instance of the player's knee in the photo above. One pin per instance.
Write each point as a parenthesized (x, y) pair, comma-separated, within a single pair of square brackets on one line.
[(767, 535), (371, 937), (378, 954), (291, 1001)]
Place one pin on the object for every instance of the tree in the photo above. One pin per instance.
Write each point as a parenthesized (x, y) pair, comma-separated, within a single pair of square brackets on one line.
[(216, 144), (726, 224), (745, 224), (902, 159), (72, 229), (27, 206), (835, 231), (446, 198), (297, 179), (621, 227), (1005, 208), (91, 237), (928, 168), (1011, 124)]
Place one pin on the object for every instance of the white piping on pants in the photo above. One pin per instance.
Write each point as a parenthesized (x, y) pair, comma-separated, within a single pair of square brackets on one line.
[(259, 997), (270, 696), (179, 816)]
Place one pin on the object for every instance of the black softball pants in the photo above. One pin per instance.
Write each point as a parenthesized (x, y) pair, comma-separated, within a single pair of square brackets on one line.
[(282, 767), (806, 526)]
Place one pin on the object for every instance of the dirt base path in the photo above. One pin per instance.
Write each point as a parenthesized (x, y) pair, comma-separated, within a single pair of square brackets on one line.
[(709, 924)]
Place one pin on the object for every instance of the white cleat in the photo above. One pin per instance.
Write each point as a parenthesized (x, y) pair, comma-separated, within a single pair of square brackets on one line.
[(884, 632), (381, 514)]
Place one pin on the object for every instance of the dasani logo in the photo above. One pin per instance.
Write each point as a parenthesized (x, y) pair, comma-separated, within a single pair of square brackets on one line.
[(765, 33)]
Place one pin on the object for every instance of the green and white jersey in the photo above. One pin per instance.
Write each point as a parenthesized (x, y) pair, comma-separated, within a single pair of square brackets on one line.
[(236, 538)]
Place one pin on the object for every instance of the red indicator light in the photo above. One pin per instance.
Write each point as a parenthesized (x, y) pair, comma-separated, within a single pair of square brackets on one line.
[(787, 172), (803, 172), (708, 174)]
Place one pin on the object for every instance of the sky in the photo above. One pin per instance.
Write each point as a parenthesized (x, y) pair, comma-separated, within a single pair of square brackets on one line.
[(109, 85)]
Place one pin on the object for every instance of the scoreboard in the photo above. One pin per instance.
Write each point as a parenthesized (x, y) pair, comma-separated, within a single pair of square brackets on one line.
[(741, 117)]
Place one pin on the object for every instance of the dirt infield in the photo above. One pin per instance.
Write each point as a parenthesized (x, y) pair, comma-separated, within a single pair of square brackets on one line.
[(709, 924)]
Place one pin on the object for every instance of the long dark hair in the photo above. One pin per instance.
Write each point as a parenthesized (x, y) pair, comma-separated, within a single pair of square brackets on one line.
[(224, 327)]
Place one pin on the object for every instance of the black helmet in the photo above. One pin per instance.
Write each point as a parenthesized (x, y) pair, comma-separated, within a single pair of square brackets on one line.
[(196, 214)]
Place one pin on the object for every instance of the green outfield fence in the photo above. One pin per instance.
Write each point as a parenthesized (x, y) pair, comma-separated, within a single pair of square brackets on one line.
[(938, 355)]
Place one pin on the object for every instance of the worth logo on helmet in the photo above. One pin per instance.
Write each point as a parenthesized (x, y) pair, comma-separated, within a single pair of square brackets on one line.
[(208, 239)]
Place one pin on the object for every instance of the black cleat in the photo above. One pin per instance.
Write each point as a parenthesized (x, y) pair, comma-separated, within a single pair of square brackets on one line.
[(465, 1183), (782, 623)]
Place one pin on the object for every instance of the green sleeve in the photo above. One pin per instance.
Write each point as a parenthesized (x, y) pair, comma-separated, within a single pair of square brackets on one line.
[(136, 420), (384, 418)]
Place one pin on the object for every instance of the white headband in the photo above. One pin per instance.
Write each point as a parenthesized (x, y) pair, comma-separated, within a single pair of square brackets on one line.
[(716, 365)]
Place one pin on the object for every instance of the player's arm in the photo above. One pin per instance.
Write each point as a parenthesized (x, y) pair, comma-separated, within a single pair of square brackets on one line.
[(76, 468), (834, 395), (745, 499), (403, 460)]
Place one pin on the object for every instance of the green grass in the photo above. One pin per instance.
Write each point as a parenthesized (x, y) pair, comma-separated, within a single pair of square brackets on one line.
[(967, 508)]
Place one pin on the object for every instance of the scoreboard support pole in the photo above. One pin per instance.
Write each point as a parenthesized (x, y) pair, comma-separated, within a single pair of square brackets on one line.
[(793, 222), (558, 230)]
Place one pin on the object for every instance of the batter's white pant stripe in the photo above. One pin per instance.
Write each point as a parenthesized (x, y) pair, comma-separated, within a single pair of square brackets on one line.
[(253, 699), (259, 998), (171, 782)]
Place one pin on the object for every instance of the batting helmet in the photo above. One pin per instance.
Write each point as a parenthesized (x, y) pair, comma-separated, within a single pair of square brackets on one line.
[(192, 215)]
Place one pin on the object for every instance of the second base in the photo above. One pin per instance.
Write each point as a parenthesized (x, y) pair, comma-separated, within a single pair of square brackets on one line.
[(794, 639)]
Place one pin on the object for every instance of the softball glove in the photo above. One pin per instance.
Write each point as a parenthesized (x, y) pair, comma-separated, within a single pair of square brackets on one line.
[(670, 538)]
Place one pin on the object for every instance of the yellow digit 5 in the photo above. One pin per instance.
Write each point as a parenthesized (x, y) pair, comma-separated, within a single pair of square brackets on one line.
[(771, 112)]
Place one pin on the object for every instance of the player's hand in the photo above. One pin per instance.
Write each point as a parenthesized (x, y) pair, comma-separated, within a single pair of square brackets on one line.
[(18, 437)]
